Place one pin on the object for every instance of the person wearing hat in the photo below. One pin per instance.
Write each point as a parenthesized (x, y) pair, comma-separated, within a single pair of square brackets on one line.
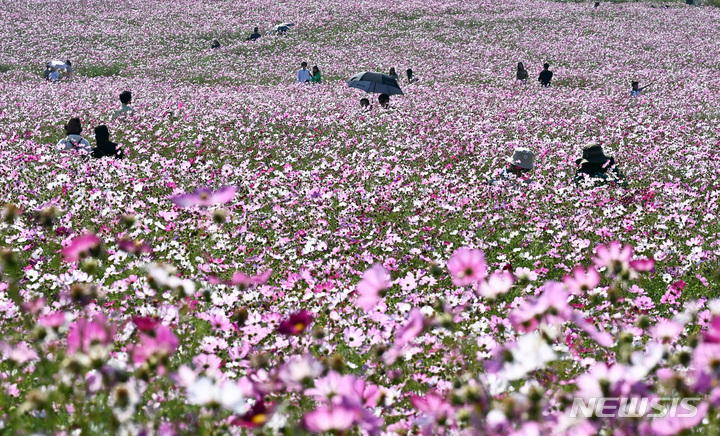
[(520, 164), (595, 164), (74, 141)]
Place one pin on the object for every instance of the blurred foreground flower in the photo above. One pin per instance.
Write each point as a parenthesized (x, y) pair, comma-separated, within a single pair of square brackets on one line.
[(467, 266), (81, 247), (374, 280), (205, 197)]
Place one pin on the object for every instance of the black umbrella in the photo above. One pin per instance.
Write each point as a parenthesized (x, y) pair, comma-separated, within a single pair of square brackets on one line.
[(377, 83)]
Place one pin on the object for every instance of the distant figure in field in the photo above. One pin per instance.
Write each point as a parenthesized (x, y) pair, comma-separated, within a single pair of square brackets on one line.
[(410, 77), (125, 109), (365, 104), (522, 73), (303, 74), (46, 73), (545, 75), (384, 101), (393, 74), (68, 69), (104, 146), (596, 165), (215, 44), (636, 89), (74, 141), (316, 78), (597, 5), (253, 36)]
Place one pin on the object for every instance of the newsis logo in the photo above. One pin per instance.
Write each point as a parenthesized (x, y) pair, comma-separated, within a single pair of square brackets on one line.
[(628, 407)]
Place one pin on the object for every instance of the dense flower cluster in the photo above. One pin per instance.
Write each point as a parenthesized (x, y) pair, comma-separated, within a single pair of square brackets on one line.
[(270, 258)]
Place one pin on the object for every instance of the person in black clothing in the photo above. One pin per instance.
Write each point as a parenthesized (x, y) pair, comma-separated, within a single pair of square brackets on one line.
[(545, 75), (255, 35), (215, 44), (522, 73), (384, 100), (596, 165), (410, 77), (104, 146)]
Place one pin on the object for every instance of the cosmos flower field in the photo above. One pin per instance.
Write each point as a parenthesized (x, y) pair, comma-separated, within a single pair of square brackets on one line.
[(270, 259)]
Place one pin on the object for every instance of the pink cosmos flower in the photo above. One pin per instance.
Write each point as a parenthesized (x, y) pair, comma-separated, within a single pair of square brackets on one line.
[(354, 337), (326, 419), (712, 335), (205, 197), (615, 257), (84, 333), (162, 344), (295, 323), (52, 319), (412, 329), (467, 266), (685, 419), (497, 284), (81, 247), (374, 280), (666, 331), (581, 281)]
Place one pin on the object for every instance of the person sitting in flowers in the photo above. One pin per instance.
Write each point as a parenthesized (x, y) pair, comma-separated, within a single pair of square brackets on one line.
[(74, 141), (105, 147), (255, 35), (596, 165), (365, 104), (125, 109), (518, 166), (636, 89), (384, 101)]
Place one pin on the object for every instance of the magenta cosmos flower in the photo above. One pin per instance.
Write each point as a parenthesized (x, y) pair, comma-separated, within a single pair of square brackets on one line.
[(84, 333), (205, 197), (374, 280), (467, 266), (296, 323), (81, 247)]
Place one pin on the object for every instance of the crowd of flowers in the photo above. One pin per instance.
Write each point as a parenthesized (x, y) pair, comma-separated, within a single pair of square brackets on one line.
[(269, 258)]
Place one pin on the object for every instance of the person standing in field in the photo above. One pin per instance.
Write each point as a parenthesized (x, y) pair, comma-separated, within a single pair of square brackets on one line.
[(522, 74), (303, 74), (545, 75), (74, 141), (316, 78), (393, 74)]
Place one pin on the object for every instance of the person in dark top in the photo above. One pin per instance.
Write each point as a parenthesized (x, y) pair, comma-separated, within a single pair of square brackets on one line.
[(545, 75), (255, 35), (384, 100), (596, 165), (410, 77), (522, 73), (365, 104), (215, 44), (597, 5), (104, 146), (393, 74)]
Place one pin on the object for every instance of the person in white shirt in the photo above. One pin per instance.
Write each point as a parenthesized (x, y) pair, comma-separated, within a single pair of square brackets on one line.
[(125, 109), (74, 141), (303, 74)]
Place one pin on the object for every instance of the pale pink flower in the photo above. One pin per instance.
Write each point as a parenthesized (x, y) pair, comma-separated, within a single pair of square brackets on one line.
[(327, 419), (374, 280), (467, 266), (497, 284), (205, 197)]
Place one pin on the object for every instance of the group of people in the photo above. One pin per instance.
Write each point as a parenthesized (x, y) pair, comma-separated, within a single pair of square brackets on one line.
[(545, 77), (105, 147), (306, 76), (53, 69), (594, 165)]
